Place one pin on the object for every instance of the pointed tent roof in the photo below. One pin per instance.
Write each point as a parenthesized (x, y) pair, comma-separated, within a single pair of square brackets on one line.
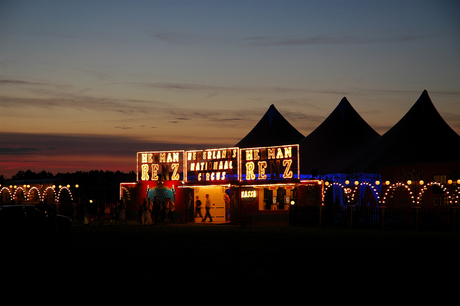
[(421, 136), (336, 142), (272, 130)]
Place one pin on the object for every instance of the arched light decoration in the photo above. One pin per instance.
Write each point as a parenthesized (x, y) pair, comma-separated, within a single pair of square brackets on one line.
[(16, 191), (9, 192), (339, 185), (395, 186), (59, 194), (30, 192), (372, 187), (46, 191), (444, 189)]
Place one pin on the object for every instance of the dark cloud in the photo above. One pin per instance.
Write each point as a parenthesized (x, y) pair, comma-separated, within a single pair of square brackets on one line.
[(216, 89), (15, 151), (19, 82), (82, 144), (78, 152), (80, 102), (335, 39), (124, 127)]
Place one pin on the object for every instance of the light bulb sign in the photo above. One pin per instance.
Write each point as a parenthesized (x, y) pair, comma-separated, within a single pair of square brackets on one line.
[(212, 165), (279, 163), (160, 165)]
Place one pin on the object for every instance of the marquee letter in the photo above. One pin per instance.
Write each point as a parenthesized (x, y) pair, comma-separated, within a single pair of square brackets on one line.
[(175, 176), (250, 171), (280, 153), (145, 172), (162, 157), (262, 167), (155, 168), (248, 154), (256, 154), (176, 157), (288, 152), (287, 173)]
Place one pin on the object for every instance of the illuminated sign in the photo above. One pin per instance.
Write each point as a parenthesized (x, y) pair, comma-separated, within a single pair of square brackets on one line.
[(212, 165), (249, 194), (270, 163), (160, 165)]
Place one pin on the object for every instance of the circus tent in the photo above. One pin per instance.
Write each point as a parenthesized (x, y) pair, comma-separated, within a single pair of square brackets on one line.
[(333, 145), (272, 130), (420, 137)]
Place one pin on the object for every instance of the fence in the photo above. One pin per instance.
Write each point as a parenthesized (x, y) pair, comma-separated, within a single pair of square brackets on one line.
[(380, 217)]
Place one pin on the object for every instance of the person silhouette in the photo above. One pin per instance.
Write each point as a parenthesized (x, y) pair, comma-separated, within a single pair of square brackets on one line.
[(208, 208)]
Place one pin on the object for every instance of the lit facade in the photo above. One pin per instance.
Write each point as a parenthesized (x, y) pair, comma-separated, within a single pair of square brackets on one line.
[(261, 181)]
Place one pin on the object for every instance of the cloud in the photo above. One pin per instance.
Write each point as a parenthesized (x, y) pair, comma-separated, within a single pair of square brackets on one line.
[(334, 39), (214, 90), (124, 127), (82, 144), (80, 152), (19, 82), (181, 38), (79, 102), (14, 151)]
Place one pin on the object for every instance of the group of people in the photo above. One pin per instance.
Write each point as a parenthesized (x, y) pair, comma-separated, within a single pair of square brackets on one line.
[(96, 213), (156, 212), (198, 206)]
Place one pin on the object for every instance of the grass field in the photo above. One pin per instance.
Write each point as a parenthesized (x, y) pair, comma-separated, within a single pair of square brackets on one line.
[(189, 259)]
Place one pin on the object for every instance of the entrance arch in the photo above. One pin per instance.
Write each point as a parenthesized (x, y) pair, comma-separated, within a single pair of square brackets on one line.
[(338, 195), (403, 193), (6, 196)]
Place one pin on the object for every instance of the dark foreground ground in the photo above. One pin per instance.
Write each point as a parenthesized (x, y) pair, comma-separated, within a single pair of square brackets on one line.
[(205, 262)]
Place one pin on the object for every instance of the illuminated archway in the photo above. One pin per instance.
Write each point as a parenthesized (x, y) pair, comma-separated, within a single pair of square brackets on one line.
[(50, 195), (19, 195), (392, 188), (345, 192), (33, 195), (364, 193), (444, 189), (6, 196), (64, 196)]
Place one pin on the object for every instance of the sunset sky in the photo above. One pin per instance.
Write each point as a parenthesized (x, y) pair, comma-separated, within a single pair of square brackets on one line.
[(86, 84)]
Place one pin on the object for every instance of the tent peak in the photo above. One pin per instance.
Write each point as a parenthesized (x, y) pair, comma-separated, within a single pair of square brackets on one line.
[(273, 129), (344, 108), (271, 113)]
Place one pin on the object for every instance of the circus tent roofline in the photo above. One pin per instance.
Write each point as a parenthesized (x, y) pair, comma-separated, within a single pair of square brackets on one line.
[(272, 130), (335, 143), (421, 136)]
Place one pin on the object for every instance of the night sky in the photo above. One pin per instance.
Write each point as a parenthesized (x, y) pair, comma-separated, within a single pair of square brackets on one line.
[(86, 84)]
